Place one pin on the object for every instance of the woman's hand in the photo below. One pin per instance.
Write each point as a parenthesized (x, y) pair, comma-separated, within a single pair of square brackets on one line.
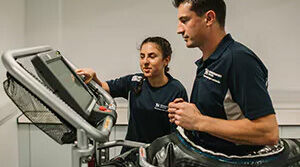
[(88, 73)]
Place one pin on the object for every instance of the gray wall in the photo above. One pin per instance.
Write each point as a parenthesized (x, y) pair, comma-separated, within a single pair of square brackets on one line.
[(271, 29), (12, 16), (105, 35)]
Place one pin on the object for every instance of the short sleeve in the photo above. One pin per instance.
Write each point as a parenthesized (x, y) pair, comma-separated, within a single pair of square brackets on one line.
[(182, 94), (248, 85), (120, 87), (178, 91)]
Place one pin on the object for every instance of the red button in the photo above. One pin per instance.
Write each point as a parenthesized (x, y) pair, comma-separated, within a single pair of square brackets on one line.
[(102, 108)]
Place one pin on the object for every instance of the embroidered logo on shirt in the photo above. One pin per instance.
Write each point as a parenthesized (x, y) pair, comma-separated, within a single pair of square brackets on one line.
[(161, 107), (210, 75), (136, 78)]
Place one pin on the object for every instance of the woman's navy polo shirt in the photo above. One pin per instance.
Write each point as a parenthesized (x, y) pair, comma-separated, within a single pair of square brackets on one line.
[(231, 84), (149, 109)]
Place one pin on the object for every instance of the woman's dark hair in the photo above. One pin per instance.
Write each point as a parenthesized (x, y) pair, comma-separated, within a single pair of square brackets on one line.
[(166, 50), (200, 7), (164, 46), (138, 89)]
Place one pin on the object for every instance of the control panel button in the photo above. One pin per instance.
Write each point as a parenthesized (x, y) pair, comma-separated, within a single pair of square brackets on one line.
[(102, 108)]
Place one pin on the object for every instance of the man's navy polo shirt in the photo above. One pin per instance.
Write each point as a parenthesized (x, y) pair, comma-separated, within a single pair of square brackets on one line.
[(231, 84)]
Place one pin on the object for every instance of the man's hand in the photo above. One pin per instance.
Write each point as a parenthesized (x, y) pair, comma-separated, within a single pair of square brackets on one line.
[(184, 114), (262, 131)]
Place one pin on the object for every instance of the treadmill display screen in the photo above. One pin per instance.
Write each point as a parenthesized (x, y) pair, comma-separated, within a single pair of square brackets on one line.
[(71, 83), (58, 75)]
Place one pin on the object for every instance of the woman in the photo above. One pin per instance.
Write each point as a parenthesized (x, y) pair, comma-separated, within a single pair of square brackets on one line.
[(150, 91)]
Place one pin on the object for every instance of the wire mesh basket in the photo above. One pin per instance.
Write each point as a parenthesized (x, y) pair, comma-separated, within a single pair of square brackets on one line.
[(36, 111)]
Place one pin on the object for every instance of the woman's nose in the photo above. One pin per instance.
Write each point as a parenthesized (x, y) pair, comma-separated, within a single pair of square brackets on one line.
[(146, 60)]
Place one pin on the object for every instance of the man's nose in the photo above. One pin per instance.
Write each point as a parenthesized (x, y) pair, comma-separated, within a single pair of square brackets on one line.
[(179, 28)]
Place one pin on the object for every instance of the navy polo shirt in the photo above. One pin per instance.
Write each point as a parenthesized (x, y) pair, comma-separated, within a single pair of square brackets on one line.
[(231, 84), (148, 109)]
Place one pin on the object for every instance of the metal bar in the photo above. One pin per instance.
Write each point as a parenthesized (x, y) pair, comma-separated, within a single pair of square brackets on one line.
[(9, 61)]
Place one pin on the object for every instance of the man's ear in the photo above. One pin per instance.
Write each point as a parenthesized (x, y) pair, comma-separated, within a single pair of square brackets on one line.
[(210, 17)]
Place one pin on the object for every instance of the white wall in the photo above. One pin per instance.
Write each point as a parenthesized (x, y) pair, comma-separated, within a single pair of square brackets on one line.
[(271, 29), (43, 23), (11, 36), (12, 18), (105, 35)]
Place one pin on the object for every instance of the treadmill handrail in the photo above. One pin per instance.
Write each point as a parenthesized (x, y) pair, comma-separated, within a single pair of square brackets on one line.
[(59, 106)]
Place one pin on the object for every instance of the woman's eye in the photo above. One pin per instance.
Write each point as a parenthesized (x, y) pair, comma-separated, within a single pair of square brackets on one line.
[(152, 56)]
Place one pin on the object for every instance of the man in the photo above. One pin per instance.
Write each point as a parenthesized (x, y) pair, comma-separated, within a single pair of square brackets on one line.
[(230, 120), (230, 111)]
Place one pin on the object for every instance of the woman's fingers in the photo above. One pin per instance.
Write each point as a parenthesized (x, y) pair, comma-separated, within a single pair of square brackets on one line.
[(88, 74), (88, 80)]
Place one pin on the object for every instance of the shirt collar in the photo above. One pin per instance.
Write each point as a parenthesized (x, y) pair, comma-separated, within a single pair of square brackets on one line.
[(226, 41), (170, 78), (199, 62)]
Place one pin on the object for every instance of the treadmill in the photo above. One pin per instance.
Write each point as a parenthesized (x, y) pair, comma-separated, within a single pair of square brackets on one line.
[(43, 85)]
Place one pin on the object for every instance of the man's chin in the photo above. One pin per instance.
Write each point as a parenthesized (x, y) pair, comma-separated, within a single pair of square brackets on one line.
[(189, 45)]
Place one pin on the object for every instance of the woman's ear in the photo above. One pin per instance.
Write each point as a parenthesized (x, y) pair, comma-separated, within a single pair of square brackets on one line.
[(167, 60)]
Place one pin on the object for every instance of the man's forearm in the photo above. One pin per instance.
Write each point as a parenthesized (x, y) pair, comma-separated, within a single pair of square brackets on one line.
[(263, 131)]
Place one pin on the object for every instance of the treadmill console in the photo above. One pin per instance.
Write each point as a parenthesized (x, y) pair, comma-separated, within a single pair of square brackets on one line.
[(58, 75)]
